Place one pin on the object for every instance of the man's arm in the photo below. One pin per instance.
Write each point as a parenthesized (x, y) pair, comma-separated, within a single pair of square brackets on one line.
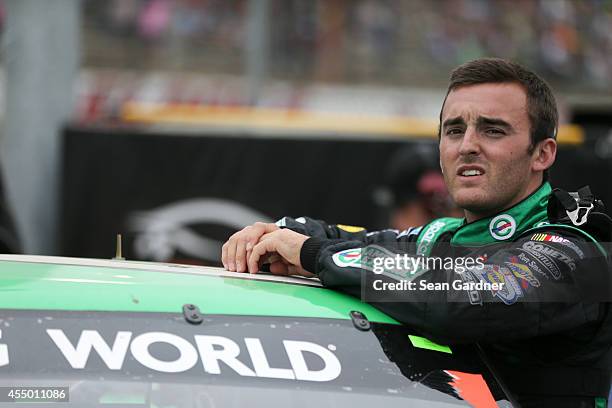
[(320, 229), (548, 287), (237, 250), (546, 290)]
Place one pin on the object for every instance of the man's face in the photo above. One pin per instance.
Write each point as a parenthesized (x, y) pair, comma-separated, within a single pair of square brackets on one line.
[(484, 145)]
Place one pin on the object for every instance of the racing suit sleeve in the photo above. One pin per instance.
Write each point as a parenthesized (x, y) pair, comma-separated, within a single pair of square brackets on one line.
[(320, 229), (548, 286)]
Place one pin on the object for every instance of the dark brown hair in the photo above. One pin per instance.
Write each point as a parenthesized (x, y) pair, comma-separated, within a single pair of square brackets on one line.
[(541, 104)]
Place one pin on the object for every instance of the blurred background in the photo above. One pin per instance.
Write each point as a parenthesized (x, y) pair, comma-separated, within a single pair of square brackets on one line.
[(177, 122)]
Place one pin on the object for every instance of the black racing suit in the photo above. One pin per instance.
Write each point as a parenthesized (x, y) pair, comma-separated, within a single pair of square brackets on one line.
[(546, 333)]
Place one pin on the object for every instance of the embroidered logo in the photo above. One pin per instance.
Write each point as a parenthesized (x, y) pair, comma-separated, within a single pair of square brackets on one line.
[(502, 227), (348, 258)]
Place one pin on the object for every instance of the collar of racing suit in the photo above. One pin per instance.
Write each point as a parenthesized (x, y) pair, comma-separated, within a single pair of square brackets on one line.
[(507, 224)]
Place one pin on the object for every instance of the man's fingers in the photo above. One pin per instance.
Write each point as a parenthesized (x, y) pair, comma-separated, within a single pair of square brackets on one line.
[(279, 268), (240, 256), (266, 227), (226, 257), (259, 250), (299, 271), (234, 247), (238, 248), (273, 258), (231, 255)]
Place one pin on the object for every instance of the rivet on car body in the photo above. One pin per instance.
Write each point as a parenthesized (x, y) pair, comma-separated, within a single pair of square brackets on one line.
[(192, 314), (360, 321)]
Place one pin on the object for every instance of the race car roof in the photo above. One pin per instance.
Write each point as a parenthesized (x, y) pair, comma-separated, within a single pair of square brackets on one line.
[(60, 283)]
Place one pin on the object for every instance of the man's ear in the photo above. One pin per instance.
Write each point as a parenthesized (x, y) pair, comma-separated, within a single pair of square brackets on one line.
[(544, 154)]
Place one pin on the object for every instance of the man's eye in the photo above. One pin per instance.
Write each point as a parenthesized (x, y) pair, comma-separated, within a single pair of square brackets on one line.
[(454, 131), (495, 132)]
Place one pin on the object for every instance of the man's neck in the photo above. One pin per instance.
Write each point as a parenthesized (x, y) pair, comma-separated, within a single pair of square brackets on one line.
[(471, 216)]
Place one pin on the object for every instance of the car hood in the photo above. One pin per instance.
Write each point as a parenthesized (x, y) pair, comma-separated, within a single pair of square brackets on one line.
[(61, 283)]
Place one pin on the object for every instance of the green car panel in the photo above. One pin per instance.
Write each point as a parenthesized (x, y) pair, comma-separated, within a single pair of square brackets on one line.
[(138, 287), (87, 325)]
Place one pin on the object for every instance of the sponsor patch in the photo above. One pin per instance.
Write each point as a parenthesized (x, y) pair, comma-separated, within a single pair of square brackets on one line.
[(473, 295), (524, 274), (549, 265), (560, 240), (372, 252), (348, 258), (523, 257), (363, 258), (550, 252), (428, 236), (502, 227), (510, 291), (350, 228), (548, 237), (574, 248)]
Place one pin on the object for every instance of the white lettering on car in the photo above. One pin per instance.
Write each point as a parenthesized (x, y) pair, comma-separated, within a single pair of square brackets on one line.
[(188, 356), (260, 362), (295, 351), (210, 349), (4, 356), (78, 356), (228, 353)]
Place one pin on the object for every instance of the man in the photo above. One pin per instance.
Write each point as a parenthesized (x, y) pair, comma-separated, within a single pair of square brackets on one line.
[(546, 330)]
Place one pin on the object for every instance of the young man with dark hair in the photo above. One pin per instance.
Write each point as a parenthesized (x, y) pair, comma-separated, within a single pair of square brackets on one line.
[(546, 331)]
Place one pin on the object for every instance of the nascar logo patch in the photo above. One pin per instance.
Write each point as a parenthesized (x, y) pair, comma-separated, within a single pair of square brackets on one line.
[(548, 237)]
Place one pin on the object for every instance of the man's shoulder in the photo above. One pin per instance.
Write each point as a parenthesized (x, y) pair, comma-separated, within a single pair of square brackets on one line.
[(557, 232), (564, 238), (560, 232)]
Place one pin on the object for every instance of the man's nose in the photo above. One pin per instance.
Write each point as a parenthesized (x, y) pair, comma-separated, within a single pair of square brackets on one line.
[(470, 143)]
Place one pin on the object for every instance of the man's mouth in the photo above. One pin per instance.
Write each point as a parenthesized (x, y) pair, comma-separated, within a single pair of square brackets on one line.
[(470, 171)]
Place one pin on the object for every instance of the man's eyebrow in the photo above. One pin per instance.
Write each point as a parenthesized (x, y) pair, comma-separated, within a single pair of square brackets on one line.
[(482, 120), (453, 121)]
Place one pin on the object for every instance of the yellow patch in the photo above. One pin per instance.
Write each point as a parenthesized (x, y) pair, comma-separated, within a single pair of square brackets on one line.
[(350, 228)]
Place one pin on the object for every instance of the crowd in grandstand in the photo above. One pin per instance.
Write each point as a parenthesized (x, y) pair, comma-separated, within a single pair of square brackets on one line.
[(359, 40)]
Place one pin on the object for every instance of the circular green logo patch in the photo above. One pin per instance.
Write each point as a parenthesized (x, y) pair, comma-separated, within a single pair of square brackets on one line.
[(502, 227)]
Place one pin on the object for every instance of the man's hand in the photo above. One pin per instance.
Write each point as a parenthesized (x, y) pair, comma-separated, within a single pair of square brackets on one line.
[(284, 247), (236, 251)]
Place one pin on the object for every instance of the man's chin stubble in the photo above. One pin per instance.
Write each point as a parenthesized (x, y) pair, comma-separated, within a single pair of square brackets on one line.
[(477, 206)]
